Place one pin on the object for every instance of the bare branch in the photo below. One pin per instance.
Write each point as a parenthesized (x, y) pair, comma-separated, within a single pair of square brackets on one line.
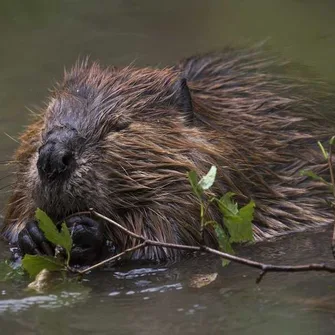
[(130, 233), (139, 246), (260, 277), (262, 266)]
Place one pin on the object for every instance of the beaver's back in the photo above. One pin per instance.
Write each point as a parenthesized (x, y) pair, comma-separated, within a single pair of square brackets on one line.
[(272, 122)]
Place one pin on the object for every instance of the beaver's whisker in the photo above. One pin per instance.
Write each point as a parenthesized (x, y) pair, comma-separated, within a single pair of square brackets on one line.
[(7, 176), (5, 162), (6, 186), (12, 138)]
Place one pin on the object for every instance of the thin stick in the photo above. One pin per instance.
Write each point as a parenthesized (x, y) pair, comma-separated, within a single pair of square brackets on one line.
[(139, 237), (139, 246), (260, 277), (270, 267)]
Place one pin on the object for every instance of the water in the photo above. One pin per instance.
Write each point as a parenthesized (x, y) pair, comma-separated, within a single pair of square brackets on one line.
[(38, 39), (152, 300)]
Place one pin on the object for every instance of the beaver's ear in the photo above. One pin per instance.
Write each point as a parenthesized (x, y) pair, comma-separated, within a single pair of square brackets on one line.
[(182, 98)]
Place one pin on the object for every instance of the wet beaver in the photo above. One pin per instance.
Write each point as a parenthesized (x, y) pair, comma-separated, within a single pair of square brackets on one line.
[(121, 140)]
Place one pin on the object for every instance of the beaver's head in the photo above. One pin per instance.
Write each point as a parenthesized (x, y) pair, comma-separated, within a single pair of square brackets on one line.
[(115, 140)]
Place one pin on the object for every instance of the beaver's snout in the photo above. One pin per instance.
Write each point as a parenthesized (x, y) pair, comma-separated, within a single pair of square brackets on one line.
[(54, 160), (56, 156)]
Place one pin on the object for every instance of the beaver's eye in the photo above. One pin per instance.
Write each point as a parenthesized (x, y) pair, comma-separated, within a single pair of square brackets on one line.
[(121, 125)]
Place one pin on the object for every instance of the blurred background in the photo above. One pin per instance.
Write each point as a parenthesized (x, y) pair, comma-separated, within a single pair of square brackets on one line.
[(40, 37)]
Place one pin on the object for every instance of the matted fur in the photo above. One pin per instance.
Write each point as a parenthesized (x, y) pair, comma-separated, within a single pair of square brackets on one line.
[(135, 143)]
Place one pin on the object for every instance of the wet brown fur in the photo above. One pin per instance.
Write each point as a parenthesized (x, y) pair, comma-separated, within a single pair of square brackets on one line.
[(258, 126)]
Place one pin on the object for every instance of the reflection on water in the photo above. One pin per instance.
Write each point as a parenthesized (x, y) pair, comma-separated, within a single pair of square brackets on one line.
[(38, 39), (48, 302)]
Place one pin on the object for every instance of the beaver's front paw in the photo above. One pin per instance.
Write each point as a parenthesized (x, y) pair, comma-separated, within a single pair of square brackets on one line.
[(87, 235), (88, 240), (31, 240)]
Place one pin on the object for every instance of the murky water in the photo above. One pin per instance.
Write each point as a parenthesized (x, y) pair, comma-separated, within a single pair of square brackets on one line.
[(37, 39)]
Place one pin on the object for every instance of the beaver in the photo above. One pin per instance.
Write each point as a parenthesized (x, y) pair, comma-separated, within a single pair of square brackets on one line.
[(121, 141)]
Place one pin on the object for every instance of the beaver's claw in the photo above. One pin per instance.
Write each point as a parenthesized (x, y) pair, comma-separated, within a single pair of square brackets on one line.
[(31, 240), (87, 235), (88, 239)]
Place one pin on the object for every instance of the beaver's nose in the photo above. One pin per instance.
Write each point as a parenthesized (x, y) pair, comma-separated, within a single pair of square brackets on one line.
[(54, 160)]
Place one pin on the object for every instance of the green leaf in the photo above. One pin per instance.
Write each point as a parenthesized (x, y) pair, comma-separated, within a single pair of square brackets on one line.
[(67, 239), (311, 174), (34, 264), (48, 227), (223, 239), (207, 181), (240, 225), (62, 238), (193, 179), (237, 221), (226, 205), (323, 150), (332, 140)]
